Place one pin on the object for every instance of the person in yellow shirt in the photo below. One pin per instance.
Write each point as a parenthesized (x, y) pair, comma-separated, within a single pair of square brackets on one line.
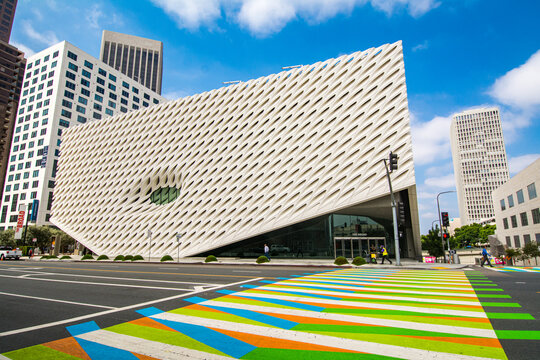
[(384, 255)]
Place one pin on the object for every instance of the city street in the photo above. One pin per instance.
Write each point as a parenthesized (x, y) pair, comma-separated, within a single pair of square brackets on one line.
[(106, 310)]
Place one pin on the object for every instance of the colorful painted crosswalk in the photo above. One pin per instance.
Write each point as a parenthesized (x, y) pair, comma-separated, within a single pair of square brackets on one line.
[(343, 314), (535, 269)]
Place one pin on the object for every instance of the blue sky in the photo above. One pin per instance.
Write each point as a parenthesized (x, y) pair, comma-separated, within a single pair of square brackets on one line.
[(458, 55)]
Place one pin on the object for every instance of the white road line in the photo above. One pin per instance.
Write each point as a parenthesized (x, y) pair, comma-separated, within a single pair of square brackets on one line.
[(118, 278), (56, 300), (488, 333), (246, 271), (99, 284), (129, 307), (371, 284), (374, 305), (150, 348), (325, 340), (474, 301)]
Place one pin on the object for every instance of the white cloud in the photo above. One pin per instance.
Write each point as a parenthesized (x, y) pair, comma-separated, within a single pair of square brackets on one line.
[(420, 47), (441, 182), (520, 87), (191, 14), (93, 16), (48, 37), (518, 163), (25, 49), (175, 94), (431, 140), (265, 17)]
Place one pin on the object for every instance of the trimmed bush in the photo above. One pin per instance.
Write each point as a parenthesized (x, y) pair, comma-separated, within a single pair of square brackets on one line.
[(87, 257), (119, 258), (137, 258), (166, 258), (65, 257), (262, 259), (128, 257), (359, 261), (340, 260), (210, 258), (44, 257), (53, 257), (103, 257)]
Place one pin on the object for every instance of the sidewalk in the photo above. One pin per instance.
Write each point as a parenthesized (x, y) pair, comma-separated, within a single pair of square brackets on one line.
[(405, 263)]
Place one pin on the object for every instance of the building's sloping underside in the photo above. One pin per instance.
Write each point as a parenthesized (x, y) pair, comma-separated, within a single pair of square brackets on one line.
[(235, 162)]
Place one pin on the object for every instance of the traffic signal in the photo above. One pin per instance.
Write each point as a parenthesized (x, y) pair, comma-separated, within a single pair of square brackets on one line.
[(393, 161), (401, 212), (445, 236), (445, 220)]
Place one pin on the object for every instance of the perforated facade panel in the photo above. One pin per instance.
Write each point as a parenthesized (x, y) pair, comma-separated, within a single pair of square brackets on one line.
[(247, 159)]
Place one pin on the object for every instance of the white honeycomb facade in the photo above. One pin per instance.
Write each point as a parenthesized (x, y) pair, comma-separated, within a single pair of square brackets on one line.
[(248, 158)]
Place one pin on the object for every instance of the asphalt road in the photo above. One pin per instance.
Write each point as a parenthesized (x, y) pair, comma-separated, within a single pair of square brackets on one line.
[(524, 289), (39, 299)]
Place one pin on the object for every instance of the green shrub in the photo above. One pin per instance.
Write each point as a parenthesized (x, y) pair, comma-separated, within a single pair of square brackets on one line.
[(137, 257), (262, 259), (87, 257), (53, 257), (340, 260), (359, 261), (103, 257), (166, 258), (65, 257), (119, 258), (44, 257), (210, 258), (128, 257)]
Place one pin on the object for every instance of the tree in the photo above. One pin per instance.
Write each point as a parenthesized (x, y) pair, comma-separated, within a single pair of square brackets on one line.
[(531, 251), (512, 253), (7, 237), (473, 233), (432, 243)]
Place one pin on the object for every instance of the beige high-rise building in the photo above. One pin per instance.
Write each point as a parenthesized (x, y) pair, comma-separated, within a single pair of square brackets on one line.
[(480, 164), (139, 58)]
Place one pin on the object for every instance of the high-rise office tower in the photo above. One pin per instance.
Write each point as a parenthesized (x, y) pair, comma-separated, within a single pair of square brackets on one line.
[(7, 13), (63, 87), (480, 164), (139, 58)]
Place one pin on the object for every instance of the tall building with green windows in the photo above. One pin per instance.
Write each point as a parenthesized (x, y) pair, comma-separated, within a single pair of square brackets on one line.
[(63, 87), (293, 159)]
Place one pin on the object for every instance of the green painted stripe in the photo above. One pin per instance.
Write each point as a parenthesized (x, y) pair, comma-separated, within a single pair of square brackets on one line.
[(218, 316), (518, 334), (475, 285), (416, 303), (163, 336), (389, 312), (488, 289), (514, 316), (417, 296), (273, 354), (493, 296), (38, 352), (372, 330), (499, 304)]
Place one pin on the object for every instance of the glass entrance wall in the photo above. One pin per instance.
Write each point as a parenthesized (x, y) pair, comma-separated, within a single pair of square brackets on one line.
[(369, 232)]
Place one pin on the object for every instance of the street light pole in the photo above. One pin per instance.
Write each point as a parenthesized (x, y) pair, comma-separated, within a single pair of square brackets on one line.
[(434, 221), (178, 236), (394, 215), (149, 233), (440, 222)]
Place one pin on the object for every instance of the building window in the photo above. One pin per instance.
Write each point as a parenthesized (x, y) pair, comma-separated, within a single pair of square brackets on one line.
[(100, 90), (66, 113), (85, 82), (81, 119), (503, 206), (510, 201), (112, 87), (85, 92), (63, 123), (531, 189), (125, 84), (520, 198), (98, 98), (102, 72), (96, 116), (70, 85), (526, 238), (513, 219), (517, 243), (81, 109), (536, 215), (100, 81), (524, 220), (109, 112), (67, 104), (73, 67), (98, 107), (88, 64), (70, 75), (123, 109), (86, 73), (70, 55), (135, 90)]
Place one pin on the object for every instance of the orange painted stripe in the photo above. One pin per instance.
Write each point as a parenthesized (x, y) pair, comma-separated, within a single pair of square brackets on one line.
[(273, 343), (144, 357), (310, 320), (468, 341), (151, 323), (204, 308), (468, 319), (68, 346)]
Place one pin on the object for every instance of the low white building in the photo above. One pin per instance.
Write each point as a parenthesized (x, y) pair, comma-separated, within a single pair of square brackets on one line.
[(63, 87), (517, 208)]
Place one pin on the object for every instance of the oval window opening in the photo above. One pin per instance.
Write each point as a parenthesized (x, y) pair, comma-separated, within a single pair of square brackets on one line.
[(164, 195)]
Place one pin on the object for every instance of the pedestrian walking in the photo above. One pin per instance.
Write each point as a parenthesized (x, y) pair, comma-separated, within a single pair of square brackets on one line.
[(485, 257), (267, 251), (384, 255)]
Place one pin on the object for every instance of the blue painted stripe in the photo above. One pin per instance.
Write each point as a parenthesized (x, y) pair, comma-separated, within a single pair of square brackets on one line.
[(283, 278), (320, 296), (224, 343), (149, 311), (100, 351), (255, 316), (333, 283), (296, 286), (83, 328), (276, 301), (195, 300)]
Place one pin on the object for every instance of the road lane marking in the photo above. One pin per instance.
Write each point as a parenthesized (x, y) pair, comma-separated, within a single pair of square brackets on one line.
[(117, 278), (129, 307), (56, 300), (246, 271)]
